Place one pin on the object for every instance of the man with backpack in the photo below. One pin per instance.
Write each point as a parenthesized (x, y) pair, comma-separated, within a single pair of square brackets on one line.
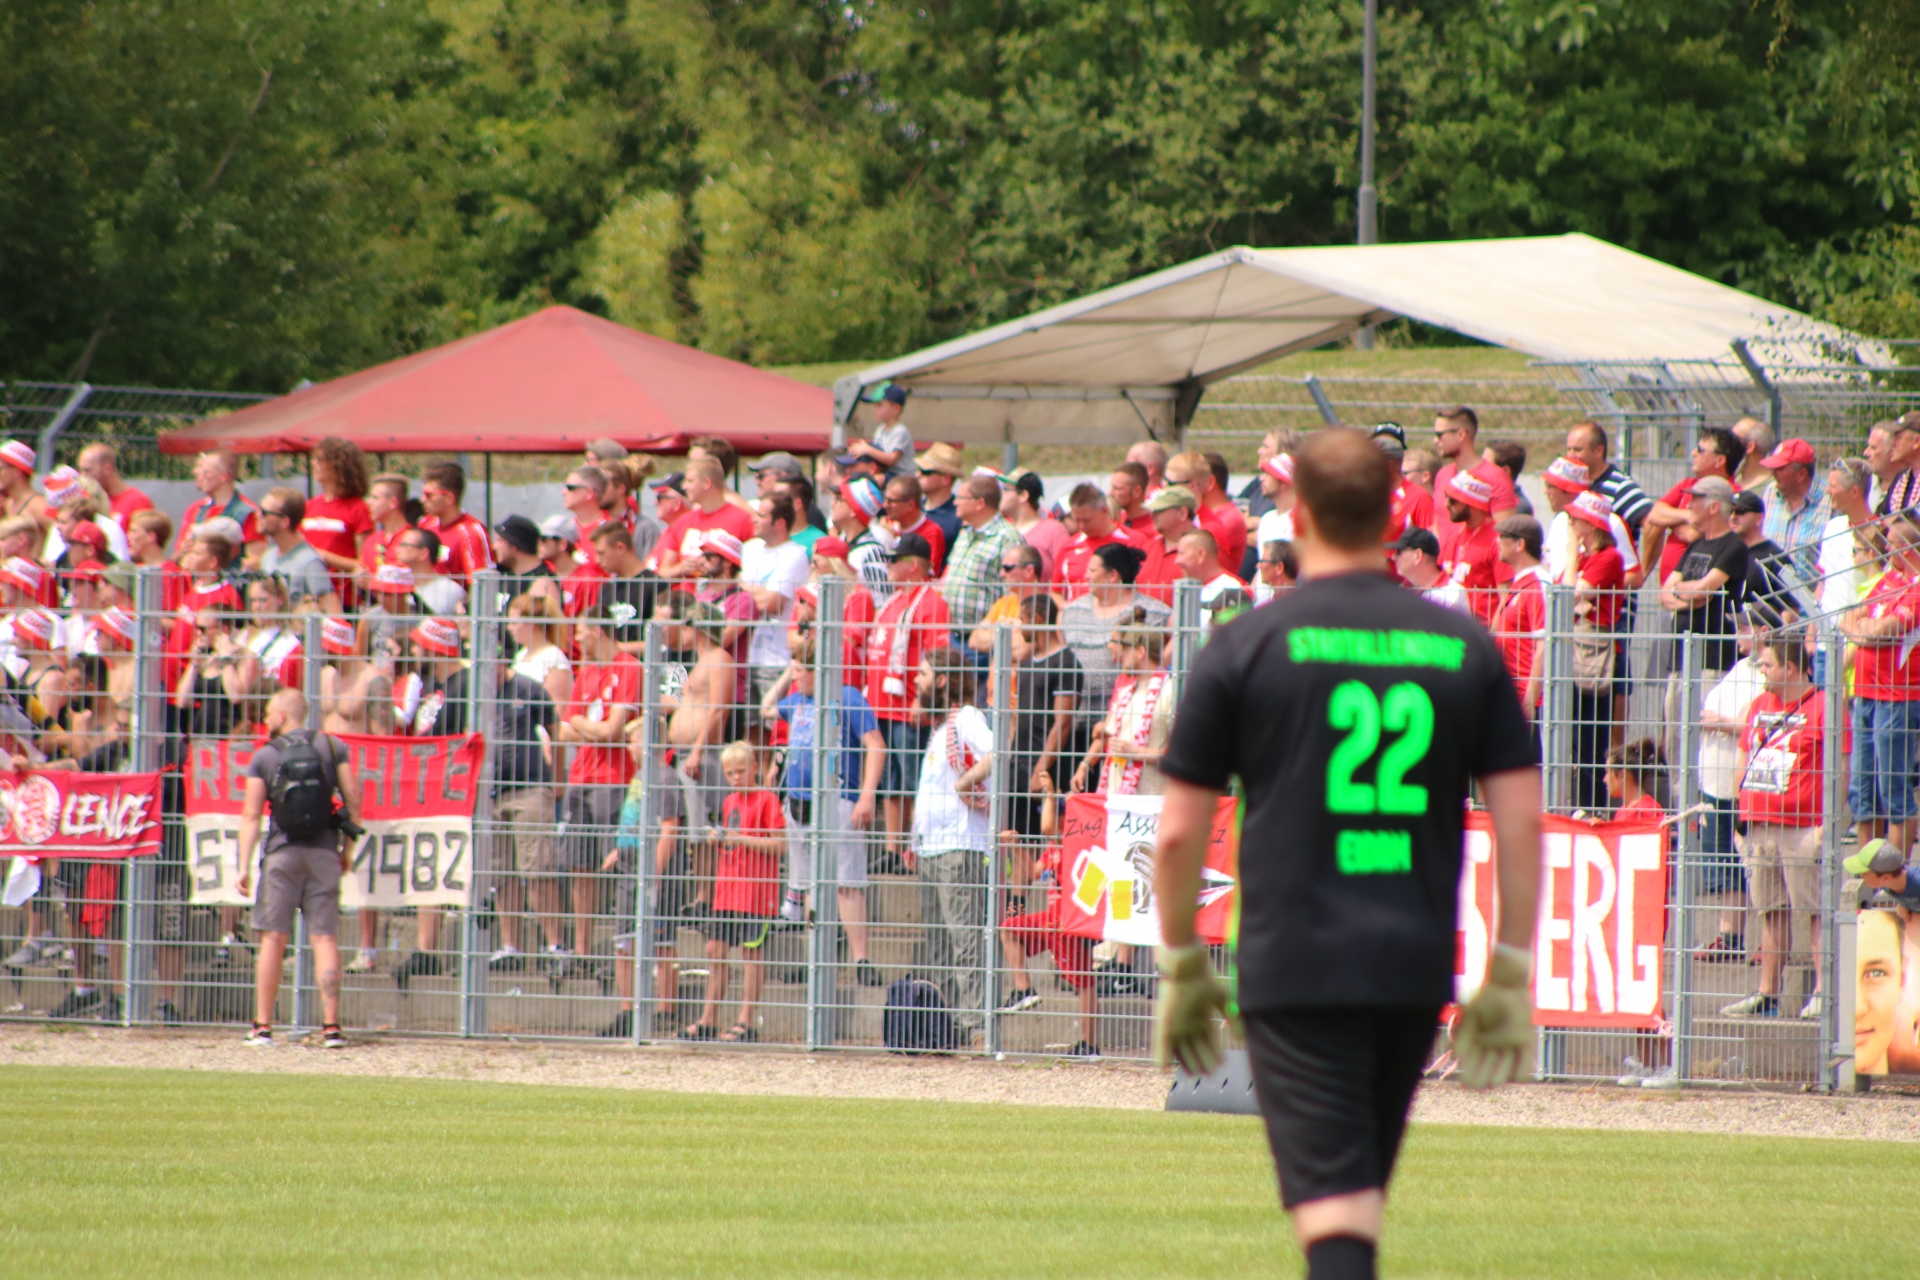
[(298, 773)]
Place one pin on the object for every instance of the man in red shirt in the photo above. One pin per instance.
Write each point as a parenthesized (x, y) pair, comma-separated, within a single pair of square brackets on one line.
[(1473, 562), (905, 513), (1216, 513), (1886, 694), (387, 509), (1127, 486), (1455, 435), (680, 547), (1172, 509), (606, 695), (464, 544), (1097, 529), (1783, 745), (1667, 532), (148, 532), (914, 620), (215, 474), (100, 463), (336, 519), (1520, 625)]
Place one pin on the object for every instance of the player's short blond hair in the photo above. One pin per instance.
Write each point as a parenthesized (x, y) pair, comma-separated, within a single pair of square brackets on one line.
[(740, 753)]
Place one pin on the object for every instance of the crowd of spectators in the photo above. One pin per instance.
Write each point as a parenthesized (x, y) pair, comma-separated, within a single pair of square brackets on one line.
[(936, 566)]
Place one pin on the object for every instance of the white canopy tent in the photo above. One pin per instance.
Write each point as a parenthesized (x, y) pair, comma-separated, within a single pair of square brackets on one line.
[(1133, 361)]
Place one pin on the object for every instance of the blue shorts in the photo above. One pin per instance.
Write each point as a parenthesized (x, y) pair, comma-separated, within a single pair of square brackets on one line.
[(906, 748), (1882, 777)]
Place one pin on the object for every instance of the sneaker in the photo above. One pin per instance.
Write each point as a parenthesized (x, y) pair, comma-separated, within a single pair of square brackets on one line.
[(166, 1013), (1083, 1051), (224, 952), (1726, 948), (59, 955), (80, 1002), (556, 963), (867, 976), (365, 962), (109, 1009), (1757, 1005), (27, 956), (621, 1028), (506, 960), (1023, 998), (1635, 1073), (1667, 1077), (259, 1036), (1815, 1006), (331, 1037), (794, 908)]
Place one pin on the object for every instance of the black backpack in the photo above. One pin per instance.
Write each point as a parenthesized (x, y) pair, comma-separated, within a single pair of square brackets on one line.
[(302, 790), (916, 1019)]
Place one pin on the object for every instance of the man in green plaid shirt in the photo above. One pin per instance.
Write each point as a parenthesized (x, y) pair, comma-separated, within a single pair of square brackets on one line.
[(972, 581)]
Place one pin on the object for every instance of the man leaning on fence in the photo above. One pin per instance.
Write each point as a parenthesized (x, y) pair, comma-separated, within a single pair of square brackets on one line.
[(303, 859)]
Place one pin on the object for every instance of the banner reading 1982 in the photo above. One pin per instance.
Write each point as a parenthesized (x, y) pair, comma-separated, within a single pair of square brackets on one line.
[(416, 803)]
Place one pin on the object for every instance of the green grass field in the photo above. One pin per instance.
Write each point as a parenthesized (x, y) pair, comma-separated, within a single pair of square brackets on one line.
[(121, 1173)]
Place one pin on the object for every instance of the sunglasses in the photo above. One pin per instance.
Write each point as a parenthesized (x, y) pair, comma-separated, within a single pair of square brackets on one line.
[(1013, 567), (571, 487)]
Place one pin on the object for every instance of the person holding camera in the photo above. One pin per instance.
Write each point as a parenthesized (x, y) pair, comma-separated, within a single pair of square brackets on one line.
[(300, 772)]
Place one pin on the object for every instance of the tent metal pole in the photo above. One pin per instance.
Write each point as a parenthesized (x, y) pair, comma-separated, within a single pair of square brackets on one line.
[(1369, 58)]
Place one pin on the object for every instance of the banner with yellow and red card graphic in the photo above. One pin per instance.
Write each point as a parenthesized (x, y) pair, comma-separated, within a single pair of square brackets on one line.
[(1106, 869)]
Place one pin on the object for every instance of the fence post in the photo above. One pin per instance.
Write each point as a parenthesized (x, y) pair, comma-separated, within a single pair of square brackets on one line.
[(1186, 632), (653, 669), (311, 656), (1319, 393), (483, 685), (147, 732), (828, 792), (50, 434), (1692, 655), (1557, 740), (1836, 1043), (1000, 780)]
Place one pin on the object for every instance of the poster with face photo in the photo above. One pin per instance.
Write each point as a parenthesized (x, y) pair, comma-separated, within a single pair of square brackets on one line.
[(1886, 993)]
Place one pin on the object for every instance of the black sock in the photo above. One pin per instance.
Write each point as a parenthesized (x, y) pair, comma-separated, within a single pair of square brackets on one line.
[(1340, 1258)]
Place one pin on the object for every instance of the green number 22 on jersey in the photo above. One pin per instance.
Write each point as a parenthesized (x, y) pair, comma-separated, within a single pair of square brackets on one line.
[(1405, 710)]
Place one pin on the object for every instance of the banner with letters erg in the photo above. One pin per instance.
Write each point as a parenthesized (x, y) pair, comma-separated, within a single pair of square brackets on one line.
[(416, 803), (1106, 869), (1603, 894), (58, 813)]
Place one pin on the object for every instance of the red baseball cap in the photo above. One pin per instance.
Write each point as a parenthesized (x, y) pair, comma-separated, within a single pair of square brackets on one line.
[(1794, 452)]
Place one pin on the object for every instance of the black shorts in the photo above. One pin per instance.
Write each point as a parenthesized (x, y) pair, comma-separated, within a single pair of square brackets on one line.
[(737, 929), (1334, 1087)]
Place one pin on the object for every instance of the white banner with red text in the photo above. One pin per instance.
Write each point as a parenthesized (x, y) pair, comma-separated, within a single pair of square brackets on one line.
[(1603, 895), (416, 804)]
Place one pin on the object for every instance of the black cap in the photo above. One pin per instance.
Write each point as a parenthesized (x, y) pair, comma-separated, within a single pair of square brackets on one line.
[(522, 534), (1417, 539), (913, 546), (1390, 430), (1747, 502), (674, 480)]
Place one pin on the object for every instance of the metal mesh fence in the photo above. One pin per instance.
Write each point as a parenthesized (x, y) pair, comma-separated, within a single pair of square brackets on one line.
[(129, 418), (670, 834)]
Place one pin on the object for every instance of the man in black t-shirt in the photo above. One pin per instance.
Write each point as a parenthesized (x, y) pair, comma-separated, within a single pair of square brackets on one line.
[(1354, 714), (1704, 592), (1048, 688)]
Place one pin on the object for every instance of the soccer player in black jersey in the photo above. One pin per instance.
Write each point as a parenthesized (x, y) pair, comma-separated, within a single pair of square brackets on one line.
[(1355, 715)]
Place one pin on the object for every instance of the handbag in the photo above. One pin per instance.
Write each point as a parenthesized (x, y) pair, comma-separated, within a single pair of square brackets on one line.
[(1593, 655)]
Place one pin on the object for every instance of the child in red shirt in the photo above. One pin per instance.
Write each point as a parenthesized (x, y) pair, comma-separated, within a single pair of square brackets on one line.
[(1030, 934), (746, 893)]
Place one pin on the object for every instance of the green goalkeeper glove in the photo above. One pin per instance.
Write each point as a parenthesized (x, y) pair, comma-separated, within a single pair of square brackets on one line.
[(1185, 1029), (1493, 1038)]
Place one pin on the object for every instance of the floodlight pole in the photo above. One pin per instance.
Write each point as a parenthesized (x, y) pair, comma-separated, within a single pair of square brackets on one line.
[(1369, 56)]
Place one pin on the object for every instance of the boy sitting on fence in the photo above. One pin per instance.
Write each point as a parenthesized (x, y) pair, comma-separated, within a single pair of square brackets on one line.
[(746, 893)]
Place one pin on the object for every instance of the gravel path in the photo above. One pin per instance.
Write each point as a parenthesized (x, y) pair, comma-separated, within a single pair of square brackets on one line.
[(788, 1074)]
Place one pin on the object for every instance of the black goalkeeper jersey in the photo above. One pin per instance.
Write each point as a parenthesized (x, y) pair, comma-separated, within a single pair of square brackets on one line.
[(1355, 714)]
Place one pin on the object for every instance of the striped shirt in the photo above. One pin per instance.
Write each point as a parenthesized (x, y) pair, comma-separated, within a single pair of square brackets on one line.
[(1798, 533), (1630, 502)]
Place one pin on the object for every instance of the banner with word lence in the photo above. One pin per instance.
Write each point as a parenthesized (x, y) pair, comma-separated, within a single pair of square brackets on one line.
[(62, 814), (1603, 887), (1106, 869), (416, 803)]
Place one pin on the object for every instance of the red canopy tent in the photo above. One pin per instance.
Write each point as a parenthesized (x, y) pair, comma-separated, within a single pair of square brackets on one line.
[(549, 383)]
